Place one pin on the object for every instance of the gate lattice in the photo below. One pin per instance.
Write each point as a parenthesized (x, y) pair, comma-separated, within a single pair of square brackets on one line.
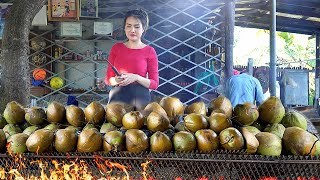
[(188, 36)]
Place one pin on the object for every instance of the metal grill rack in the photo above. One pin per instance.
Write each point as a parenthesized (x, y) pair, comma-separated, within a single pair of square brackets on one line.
[(217, 165)]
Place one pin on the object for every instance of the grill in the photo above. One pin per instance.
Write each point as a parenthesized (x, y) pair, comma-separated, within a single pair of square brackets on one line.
[(218, 165)]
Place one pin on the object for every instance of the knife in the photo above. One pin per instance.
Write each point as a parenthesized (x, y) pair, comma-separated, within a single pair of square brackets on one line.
[(114, 68)]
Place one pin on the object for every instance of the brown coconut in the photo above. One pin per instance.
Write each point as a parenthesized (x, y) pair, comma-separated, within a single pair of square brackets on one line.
[(194, 122), (113, 141), (89, 140), (94, 113), (75, 116), (115, 112), (207, 140), (271, 110), (173, 106), (136, 140), (56, 112), (65, 140), (222, 103), (197, 107), (246, 113), (133, 120), (157, 122), (219, 122), (160, 142)]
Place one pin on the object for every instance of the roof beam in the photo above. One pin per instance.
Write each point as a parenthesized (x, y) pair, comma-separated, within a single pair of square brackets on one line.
[(300, 3), (308, 31), (264, 21)]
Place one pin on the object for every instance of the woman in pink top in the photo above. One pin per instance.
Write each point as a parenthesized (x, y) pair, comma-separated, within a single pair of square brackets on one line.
[(136, 62)]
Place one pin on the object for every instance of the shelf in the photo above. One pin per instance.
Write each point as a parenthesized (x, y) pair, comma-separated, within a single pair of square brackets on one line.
[(84, 40), (81, 61), (80, 92)]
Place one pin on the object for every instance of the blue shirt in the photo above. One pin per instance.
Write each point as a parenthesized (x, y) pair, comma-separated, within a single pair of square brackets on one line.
[(244, 88)]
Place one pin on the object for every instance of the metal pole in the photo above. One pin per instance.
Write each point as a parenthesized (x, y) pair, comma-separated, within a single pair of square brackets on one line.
[(273, 70), (317, 56), (317, 75), (230, 21)]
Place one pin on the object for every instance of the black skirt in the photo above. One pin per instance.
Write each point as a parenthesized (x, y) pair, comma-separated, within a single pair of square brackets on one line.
[(133, 94)]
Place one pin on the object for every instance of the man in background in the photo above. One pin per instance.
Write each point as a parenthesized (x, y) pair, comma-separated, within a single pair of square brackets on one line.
[(242, 87)]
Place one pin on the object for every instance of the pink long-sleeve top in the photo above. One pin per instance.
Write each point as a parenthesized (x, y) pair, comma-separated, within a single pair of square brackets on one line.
[(142, 61)]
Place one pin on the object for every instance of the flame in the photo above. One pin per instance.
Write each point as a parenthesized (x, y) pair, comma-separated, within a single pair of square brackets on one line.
[(145, 166)]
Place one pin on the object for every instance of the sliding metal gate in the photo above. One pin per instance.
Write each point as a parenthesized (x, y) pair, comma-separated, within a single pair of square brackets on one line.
[(188, 36)]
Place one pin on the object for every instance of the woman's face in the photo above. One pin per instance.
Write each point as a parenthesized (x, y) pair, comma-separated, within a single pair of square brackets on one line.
[(133, 29)]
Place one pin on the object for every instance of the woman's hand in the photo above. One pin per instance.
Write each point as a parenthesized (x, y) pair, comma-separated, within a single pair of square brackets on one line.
[(126, 79)]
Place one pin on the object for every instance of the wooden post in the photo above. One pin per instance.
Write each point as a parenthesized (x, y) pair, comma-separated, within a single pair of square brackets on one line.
[(229, 37)]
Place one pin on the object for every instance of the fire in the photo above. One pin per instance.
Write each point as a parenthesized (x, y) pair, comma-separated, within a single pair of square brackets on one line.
[(73, 169), (145, 166)]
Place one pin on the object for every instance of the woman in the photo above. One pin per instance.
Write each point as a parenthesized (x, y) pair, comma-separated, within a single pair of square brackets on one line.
[(136, 62)]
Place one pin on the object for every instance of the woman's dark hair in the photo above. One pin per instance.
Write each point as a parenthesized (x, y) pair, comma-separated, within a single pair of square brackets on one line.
[(139, 14)]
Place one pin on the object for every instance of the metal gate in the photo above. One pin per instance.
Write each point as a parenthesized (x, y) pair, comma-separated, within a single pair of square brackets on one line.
[(188, 36)]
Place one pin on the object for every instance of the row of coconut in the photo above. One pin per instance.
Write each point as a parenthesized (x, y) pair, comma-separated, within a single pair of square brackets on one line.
[(160, 127)]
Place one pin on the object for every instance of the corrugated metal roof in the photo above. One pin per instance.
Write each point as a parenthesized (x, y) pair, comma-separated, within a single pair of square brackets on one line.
[(298, 16)]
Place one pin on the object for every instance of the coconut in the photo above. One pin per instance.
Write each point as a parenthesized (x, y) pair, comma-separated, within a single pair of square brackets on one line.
[(17, 143), (3, 140), (52, 126), (269, 144), (77, 129), (3, 121), (114, 113), (113, 141), (56, 112), (106, 127), (89, 140), (29, 130), (157, 122), (154, 107), (222, 103), (14, 113), (160, 142), (40, 140), (35, 115), (180, 127), (231, 139), (252, 129), (207, 140), (194, 122), (11, 129), (173, 106), (219, 122), (271, 110), (88, 126), (136, 140), (276, 128), (184, 141), (245, 114), (251, 141), (294, 118), (299, 141), (65, 140), (94, 113), (75, 115), (317, 152), (133, 120), (197, 107)]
